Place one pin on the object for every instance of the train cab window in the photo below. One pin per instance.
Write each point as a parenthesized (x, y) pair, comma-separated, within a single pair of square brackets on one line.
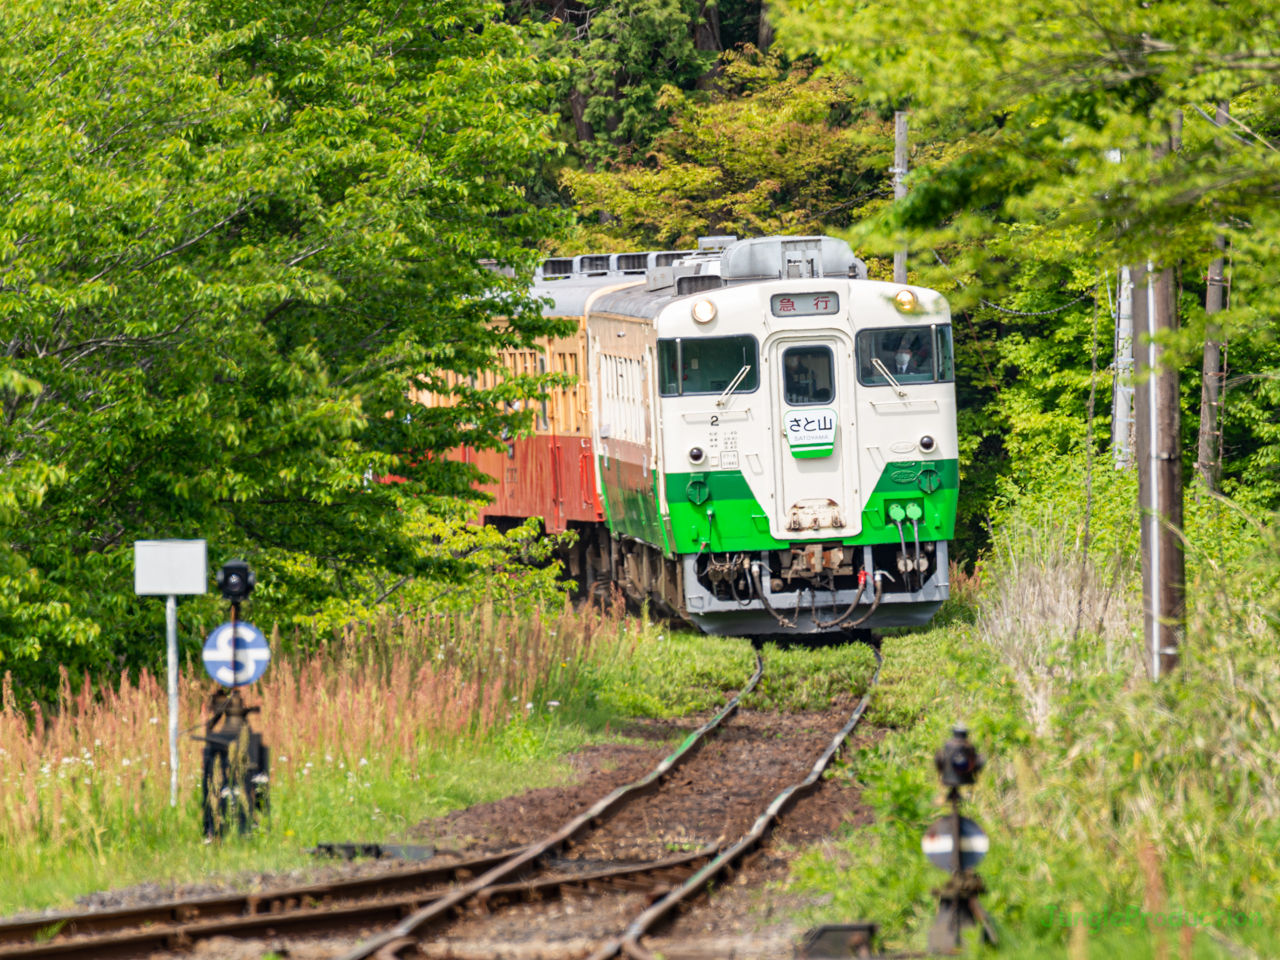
[(690, 365), (909, 354), (946, 354), (808, 375)]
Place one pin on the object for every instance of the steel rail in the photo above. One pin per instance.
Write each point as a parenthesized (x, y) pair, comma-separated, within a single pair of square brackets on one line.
[(176, 924), (453, 902), (323, 917), (244, 905), (629, 942)]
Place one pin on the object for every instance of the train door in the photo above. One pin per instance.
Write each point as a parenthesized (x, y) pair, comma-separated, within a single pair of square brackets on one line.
[(813, 389)]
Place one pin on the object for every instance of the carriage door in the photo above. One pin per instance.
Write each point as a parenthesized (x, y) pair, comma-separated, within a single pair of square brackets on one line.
[(814, 450)]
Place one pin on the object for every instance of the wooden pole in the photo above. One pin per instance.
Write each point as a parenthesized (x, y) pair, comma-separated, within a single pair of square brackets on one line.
[(1159, 459), (900, 186)]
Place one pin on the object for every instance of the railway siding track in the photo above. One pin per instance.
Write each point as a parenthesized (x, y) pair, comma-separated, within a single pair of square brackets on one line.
[(327, 917), (380, 899), (243, 905)]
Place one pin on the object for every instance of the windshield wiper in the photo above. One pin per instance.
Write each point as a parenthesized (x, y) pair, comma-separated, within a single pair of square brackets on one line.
[(884, 372), (734, 385)]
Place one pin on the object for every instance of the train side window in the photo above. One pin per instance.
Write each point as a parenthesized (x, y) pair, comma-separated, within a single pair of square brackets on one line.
[(908, 353), (808, 375), (707, 365), (946, 354)]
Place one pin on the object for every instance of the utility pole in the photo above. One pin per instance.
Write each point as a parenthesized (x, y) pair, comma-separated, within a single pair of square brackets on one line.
[(1122, 395), (1209, 451), (900, 186), (1159, 459)]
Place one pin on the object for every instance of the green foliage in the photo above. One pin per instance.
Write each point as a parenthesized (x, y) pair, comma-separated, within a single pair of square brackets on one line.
[(663, 674), (1055, 144), (772, 149), (234, 237), (619, 54), (1102, 792), (363, 742), (473, 565), (168, 849)]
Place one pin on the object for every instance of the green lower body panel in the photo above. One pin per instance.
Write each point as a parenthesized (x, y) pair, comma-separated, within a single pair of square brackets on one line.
[(730, 519), (631, 501)]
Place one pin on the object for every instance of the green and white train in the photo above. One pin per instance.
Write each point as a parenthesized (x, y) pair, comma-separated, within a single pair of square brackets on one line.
[(772, 435)]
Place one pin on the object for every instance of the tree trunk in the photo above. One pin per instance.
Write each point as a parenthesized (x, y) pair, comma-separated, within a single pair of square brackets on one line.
[(706, 36), (764, 38), (707, 33), (578, 107)]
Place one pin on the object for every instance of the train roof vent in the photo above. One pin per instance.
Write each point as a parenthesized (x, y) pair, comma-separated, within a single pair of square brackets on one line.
[(771, 258), (560, 267), (668, 257), (594, 265), (715, 244), (696, 284), (628, 262)]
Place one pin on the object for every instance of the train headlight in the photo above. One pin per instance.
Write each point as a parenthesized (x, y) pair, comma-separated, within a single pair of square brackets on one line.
[(906, 301), (697, 455), (927, 443), (704, 311)]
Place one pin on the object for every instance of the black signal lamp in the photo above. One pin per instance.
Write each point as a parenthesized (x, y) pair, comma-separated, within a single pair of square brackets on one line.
[(957, 760), (236, 581)]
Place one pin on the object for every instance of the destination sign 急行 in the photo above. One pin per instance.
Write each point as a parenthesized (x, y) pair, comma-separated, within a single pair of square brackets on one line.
[(804, 304)]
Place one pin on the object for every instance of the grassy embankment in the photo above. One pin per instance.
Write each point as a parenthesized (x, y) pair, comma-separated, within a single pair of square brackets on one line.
[(370, 735), (1106, 798), (1126, 819)]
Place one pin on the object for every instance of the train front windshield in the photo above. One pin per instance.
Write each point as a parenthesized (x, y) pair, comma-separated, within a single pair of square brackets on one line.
[(909, 354), (707, 365)]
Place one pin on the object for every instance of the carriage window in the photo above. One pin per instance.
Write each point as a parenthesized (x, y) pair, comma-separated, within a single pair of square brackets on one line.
[(807, 375), (910, 354), (707, 365)]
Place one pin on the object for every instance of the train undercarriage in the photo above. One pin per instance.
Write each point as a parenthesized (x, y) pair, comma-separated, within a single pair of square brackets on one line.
[(809, 589)]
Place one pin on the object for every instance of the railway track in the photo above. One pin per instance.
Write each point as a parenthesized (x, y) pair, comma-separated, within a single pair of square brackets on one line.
[(359, 903), (394, 943)]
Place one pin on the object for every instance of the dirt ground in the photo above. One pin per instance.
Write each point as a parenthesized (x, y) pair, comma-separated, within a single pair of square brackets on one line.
[(714, 796)]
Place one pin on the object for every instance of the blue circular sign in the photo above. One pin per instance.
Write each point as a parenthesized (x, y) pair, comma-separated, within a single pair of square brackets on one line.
[(236, 659)]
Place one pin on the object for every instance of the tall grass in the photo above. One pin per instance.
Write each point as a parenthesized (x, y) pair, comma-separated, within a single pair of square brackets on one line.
[(1104, 793), (367, 730), (1040, 594)]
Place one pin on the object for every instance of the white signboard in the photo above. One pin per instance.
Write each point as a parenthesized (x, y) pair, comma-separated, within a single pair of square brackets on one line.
[(168, 568), (811, 431)]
